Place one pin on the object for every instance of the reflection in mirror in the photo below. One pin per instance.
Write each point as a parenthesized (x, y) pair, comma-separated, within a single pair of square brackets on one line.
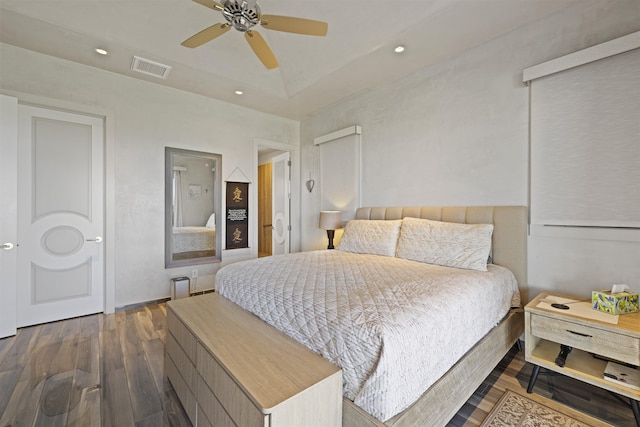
[(192, 207)]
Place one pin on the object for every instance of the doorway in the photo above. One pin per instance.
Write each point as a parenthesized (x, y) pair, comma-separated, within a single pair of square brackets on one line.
[(274, 202)]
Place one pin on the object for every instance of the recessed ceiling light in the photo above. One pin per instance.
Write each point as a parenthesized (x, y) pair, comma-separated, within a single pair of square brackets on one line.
[(101, 51), (399, 49), (239, 92)]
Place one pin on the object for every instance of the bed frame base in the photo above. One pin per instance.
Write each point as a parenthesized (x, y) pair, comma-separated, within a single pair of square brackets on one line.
[(443, 399)]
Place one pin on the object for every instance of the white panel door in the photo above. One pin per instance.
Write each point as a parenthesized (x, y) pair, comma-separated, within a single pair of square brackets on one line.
[(60, 215), (281, 196), (8, 213)]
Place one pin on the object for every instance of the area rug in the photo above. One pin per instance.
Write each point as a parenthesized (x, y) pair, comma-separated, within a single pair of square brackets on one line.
[(515, 410)]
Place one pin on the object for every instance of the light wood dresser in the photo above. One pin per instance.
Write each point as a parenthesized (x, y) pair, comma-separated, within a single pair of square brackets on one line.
[(228, 368), (547, 328)]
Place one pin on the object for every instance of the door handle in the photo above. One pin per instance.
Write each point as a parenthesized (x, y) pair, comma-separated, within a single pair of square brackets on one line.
[(98, 239), (8, 246)]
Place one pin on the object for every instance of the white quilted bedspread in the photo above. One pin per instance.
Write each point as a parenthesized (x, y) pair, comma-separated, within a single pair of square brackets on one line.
[(187, 239), (394, 326)]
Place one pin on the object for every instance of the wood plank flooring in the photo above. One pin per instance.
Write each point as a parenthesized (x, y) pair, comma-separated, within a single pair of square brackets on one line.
[(107, 370), (90, 371)]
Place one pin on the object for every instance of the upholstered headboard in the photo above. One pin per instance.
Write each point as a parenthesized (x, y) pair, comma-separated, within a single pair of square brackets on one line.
[(509, 240)]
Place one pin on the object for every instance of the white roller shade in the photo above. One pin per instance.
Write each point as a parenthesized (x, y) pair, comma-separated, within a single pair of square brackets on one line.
[(585, 144), (340, 177)]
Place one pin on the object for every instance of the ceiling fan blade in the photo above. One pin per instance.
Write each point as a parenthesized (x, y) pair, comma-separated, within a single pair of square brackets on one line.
[(206, 35), (210, 4), (290, 24), (261, 49)]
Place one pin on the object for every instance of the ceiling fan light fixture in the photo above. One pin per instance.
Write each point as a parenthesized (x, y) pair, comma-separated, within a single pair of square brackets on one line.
[(241, 15)]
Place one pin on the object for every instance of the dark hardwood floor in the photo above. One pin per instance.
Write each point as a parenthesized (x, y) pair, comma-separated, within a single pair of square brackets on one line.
[(107, 370), (89, 371)]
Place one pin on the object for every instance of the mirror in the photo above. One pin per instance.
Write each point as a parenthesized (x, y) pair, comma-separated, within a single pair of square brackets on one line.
[(192, 207)]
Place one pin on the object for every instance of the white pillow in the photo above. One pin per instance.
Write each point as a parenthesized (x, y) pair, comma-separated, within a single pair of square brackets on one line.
[(445, 243), (378, 237), (211, 222)]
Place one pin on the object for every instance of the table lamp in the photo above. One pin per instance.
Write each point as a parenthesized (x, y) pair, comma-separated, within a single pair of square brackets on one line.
[(330, 221)]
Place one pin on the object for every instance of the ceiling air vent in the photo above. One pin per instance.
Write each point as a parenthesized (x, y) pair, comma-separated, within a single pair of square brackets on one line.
[(151, 68)]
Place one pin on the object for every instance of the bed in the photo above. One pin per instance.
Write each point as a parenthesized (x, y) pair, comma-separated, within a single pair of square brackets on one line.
[(188, 239), (365, 304), (195, 241)]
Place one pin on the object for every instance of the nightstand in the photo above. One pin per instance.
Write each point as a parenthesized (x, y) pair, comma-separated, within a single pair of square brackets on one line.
[(547, 328)]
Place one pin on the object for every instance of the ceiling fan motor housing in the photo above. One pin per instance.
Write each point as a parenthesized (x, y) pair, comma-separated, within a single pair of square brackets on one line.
[(241, 15)]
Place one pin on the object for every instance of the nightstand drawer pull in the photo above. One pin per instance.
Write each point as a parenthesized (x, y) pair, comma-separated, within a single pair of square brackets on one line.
[(578, 333)]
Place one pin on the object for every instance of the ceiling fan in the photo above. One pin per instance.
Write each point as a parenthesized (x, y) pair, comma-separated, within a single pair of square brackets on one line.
[(243, 17)]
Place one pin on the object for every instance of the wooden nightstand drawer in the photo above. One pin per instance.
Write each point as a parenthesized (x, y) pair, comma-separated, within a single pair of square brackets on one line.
[(586, 337), (547, 328)]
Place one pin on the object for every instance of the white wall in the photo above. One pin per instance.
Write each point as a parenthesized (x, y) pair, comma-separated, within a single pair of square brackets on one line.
[(457, 134), (454, 133), (143, 118)]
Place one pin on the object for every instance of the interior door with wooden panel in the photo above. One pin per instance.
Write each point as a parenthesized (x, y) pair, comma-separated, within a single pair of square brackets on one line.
[(60, 215), (281, 196), (265, 225)]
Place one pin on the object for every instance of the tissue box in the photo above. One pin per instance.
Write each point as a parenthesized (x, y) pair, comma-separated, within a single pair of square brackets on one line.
[(618, 303)]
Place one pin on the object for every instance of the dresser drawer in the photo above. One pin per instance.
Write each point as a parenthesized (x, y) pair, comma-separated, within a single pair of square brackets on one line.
[(183, 336), (203, 421), (182, 362), (235, 402), (588, 338), (211, 408), (186, 396)]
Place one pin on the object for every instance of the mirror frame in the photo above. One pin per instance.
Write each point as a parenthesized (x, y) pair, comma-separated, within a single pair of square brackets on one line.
[(169, 262)]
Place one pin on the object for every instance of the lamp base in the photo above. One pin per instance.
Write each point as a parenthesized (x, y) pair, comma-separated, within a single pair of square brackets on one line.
[(330, 234)]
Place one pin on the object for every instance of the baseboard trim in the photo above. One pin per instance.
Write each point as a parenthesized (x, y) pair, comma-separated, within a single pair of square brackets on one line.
[(159, 301), (142, 304)]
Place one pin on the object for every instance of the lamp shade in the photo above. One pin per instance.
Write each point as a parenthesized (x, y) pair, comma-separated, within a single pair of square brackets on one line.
[(330, 220)]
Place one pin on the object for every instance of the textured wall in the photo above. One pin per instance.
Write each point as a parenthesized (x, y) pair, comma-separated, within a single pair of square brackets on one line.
[(457, 134), (145, 118)]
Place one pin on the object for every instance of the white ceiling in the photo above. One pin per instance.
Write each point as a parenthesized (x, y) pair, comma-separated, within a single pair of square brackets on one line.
[(315, 72)]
